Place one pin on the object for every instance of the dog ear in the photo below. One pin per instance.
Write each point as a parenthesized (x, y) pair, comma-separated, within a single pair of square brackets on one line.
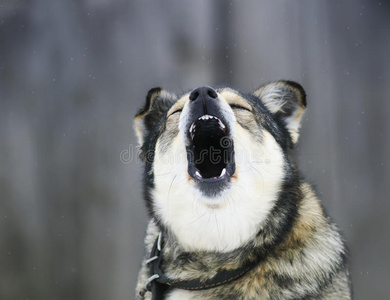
[(285, 100), (158, 101)]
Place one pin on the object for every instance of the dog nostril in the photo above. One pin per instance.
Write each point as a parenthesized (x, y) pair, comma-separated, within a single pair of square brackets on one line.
[(194, 95), (213, 94), (203, 92)]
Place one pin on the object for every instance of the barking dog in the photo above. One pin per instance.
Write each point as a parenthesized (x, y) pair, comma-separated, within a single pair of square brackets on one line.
[(230, 216)]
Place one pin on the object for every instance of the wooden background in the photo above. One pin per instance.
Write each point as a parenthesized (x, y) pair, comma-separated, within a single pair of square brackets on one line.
[(73, 73)]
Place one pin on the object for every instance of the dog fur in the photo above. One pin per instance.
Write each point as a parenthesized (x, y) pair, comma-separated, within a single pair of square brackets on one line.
[(258, 210)]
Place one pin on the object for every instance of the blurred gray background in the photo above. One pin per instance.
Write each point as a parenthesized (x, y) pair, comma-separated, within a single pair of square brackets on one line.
[(73, 73)]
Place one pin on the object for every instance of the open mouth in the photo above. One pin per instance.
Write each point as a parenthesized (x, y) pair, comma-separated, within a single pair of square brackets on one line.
[(210, 151)]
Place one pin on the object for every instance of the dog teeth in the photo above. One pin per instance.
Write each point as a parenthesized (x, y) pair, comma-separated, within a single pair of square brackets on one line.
[(207, 117), (192, 130), (223, 173), (197, 173), (221, 124), (192, 127)]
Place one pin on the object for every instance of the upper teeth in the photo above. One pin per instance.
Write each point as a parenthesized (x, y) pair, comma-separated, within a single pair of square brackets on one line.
[(205, 117), (192, 128)]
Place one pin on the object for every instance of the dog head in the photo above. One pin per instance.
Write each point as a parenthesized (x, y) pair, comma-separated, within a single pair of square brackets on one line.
[(216, 160)]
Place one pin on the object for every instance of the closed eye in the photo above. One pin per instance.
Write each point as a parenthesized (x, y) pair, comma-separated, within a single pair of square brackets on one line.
[(176, 111), (235, 106)]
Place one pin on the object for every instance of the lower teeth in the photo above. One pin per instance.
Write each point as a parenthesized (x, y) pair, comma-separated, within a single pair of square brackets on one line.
[(223, 173)]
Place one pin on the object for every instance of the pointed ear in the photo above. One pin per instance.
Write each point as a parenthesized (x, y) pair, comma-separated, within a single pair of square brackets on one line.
[(158, 101), (287, 101)]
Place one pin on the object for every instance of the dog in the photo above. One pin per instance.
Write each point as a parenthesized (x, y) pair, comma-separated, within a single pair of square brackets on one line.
[(230, 215)]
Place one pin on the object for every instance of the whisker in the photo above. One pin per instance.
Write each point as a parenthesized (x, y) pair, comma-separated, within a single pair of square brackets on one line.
[(164, 174), (169, 191), (216, 223), (198, 219), (208, 221)]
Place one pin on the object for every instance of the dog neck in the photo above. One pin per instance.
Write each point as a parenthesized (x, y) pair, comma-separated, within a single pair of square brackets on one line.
[(219, 274)]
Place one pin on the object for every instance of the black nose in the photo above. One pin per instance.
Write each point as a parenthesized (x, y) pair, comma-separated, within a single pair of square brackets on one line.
[(204, 92)]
